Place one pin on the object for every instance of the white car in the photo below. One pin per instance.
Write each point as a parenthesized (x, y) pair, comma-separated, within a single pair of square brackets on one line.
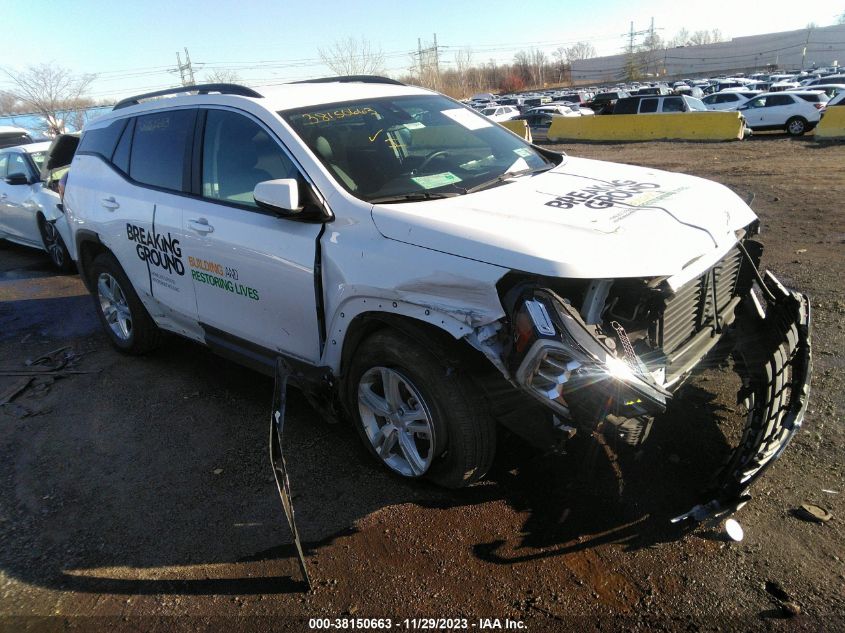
[(425, 273), (725, 100), (11, 136), (500, 113), (30, 207), (795, 111), (555, 109)]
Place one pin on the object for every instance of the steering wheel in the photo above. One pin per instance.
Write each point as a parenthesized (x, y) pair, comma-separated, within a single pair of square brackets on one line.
[(430, 157)]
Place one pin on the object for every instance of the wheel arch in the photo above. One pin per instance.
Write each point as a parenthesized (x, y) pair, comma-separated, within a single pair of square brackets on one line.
[(88, 246)]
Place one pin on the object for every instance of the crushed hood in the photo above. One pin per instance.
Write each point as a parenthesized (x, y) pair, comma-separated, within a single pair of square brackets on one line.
[(582, 219)]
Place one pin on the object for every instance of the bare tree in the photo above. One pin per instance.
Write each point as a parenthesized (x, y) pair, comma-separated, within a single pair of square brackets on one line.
[(353, 57), (539, 67), (7, 103), (841, 18), (223, 76), (680, 39), (580, 50), (522, 66), (706, 37), (52, 92), (650, 52)]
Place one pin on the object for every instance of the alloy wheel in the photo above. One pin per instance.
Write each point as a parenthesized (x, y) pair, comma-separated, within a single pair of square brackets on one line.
[(114, 306), (396, 420)]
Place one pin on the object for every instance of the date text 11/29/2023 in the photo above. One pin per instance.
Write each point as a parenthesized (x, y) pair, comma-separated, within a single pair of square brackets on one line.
[(417, 624)]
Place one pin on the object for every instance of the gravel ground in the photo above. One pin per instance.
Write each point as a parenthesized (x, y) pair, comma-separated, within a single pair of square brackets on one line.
[(139, 497)]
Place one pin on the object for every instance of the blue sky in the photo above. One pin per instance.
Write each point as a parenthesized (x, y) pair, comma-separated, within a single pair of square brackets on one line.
[(131, 45)]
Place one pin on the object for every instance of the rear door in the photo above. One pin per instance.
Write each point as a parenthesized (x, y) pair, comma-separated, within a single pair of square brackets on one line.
[(253, 272), (779, 107), (156, 152)]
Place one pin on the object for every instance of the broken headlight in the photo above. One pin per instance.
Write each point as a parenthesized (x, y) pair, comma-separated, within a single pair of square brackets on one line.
[(559, 361)]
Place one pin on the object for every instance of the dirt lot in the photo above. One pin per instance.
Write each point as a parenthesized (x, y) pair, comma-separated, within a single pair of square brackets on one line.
[(143, 491)]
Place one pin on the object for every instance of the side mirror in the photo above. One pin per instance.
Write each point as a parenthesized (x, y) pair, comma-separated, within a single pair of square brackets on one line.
[(281, 196), (17, 179)]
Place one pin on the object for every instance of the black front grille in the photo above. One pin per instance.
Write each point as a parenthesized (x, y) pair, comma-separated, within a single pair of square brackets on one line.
[(690, 309)]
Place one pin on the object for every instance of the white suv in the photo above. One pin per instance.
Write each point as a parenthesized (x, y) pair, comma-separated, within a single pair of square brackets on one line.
[(427, 273), (795, 111)]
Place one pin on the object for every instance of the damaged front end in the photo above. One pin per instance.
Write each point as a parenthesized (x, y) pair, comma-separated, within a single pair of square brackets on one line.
[(611, 353)]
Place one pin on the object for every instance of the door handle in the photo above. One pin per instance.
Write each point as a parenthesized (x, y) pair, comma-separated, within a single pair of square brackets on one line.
[(110, 204), (3, 196), (200, 225)]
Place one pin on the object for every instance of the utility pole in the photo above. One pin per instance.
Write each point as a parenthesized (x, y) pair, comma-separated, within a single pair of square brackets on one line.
[(186, 71), (430, 69), (436, 64), (806, 44)]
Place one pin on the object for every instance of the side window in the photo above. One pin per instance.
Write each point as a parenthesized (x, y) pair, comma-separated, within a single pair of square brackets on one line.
[(161, 148), (4, 160), (237, 155), (759, 102), (17, 165), (121, 152), (648, 105), (778, 100), (673, 104), (102, 141)]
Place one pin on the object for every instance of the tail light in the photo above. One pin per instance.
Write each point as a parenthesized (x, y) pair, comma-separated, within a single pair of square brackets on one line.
[(819, 106)]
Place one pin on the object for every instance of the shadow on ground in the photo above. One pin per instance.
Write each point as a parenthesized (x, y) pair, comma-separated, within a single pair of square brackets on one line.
[(152, 477)]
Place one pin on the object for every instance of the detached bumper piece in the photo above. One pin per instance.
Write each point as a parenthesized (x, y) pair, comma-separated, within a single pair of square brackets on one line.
[(773, 358), (277, 458)]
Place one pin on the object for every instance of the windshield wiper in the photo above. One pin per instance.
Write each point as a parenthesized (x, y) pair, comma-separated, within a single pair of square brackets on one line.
[(414, 196), (507, 176)]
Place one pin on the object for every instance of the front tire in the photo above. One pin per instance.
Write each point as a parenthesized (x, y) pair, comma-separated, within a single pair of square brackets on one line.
[(796, 126), (125, 320), (54, 245), (418, 415)]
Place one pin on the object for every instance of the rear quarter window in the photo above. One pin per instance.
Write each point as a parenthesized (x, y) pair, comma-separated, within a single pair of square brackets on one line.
[(102, 141), (161, 148)]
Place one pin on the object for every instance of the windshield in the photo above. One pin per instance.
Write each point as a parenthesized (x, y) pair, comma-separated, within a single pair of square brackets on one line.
[(424, 146), (38, 158), (696, 104)]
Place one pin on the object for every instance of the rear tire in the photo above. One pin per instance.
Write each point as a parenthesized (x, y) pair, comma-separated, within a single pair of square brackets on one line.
[(796, 126), (125, 319), (433, 425)]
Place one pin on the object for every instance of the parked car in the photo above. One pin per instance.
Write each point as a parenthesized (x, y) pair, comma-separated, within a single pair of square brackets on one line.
[(30, 204), (429, 281), (603, 102), (728, 100), (831, 90), (11, 136), (690, 91), (658, 105), (556, 109), (500, 113), (796, 112), (838, 100)]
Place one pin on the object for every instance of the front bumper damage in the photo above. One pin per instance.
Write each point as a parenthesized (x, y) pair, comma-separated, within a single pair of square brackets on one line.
[(591, 376), (773, 356)]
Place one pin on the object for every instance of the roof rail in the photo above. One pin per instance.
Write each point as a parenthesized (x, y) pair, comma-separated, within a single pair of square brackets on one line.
[(348, 79), (202, 89)]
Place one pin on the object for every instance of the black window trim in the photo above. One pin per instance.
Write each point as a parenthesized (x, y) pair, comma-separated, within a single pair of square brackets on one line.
[(196, 156)]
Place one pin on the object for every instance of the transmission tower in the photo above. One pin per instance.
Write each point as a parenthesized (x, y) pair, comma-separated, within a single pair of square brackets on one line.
[(186, 71)]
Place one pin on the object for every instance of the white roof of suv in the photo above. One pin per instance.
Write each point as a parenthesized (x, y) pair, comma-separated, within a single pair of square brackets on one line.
[(280, 97)]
